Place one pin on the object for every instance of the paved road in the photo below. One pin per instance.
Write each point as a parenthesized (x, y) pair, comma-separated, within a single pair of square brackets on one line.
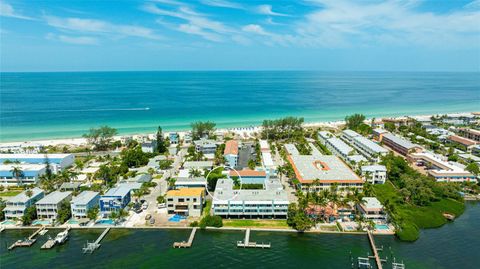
[(162, 185), (278, 160)]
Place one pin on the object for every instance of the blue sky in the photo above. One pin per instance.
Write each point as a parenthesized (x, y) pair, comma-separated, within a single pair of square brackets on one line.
[(362, 35)]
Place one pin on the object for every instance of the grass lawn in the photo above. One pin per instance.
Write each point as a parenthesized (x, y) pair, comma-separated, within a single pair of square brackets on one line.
[(9, 193), (255, 223), (417, 217), (206, 208)]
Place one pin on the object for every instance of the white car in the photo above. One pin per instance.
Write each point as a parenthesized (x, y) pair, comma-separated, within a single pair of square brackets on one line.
[(145, 206), (162, 205)]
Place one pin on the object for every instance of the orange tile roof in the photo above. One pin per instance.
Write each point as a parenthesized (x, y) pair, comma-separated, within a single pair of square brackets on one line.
[(247, 173), (231, 147), (186, 192)]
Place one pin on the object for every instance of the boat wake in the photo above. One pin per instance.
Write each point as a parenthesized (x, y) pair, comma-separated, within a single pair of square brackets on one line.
[(83, 110)]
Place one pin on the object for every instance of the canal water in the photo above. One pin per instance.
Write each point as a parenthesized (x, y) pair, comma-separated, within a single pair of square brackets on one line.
[(455, 245)]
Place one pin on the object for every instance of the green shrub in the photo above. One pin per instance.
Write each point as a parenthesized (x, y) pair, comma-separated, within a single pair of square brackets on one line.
[(194, 224), (211, 221)]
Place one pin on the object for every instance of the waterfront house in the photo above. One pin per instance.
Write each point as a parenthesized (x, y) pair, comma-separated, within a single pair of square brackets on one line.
[(27, 174), (48, 206), (187, 138), (270, 202), (173, 137), (372, 209), (374, 174), (81, 203), (186, 201), (114, 199), (330, 212), (16, 206), (231, 153)]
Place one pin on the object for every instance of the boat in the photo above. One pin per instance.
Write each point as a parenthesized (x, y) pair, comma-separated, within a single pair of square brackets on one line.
[(449, 216), (61, 237), (43, 232)]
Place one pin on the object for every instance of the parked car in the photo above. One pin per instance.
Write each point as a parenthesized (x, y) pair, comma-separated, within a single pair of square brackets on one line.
[(145, 206), (152, 221), (161, 205), (148, 216)]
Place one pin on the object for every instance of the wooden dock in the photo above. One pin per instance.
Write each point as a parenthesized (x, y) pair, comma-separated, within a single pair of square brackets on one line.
[(187, 244), (378, 261), (91, 247), (247, 244), (27, 242)]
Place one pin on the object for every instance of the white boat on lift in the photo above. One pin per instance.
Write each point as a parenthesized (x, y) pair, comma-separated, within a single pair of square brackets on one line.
[(61, 237)]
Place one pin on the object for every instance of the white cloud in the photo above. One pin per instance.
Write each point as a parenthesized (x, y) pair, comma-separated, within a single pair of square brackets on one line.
[(197, 23), (222, 3), (78, 40), (394, 20), (195, 30), (7, 10), (267, 10), (254, 28), (99, 27)]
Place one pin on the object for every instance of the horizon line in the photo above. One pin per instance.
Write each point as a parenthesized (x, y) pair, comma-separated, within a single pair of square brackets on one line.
[(243, 70)]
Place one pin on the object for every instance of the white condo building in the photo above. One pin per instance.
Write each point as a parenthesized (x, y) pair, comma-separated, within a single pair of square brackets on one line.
[(269, 202), (365, 146), (20, 174)]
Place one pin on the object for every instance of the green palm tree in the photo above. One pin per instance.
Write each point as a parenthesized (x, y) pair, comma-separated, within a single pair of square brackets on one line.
[(17, 173), (195, 172)]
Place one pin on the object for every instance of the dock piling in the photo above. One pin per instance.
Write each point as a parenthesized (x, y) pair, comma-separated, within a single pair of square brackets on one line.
[(247, 244), (187, 244), (90, 247)]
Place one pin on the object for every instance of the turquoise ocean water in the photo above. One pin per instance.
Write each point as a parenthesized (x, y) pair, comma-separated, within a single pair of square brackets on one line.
[(58, 105)]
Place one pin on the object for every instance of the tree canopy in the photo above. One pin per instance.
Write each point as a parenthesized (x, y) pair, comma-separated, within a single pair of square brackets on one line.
[(281, 128), (356, 123), (161, 143), (202, 128), (100, 137)]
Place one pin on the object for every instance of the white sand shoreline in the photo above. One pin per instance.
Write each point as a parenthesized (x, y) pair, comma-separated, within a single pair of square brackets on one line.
[(78, 141)]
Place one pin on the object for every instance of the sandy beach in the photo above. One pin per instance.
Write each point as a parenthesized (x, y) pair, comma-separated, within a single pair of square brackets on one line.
[(245, 131)]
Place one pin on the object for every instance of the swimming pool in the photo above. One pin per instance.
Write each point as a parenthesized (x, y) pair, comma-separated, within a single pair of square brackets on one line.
[(8, 222), (73, 221), (40, 222), (105, 222), (382, 227), (176, 218)]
